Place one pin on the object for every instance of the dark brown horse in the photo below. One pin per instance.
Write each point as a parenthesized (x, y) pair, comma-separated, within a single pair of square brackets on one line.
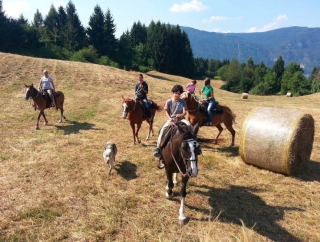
[(42, 102), (133, 110), (196, 116), (180, 155)]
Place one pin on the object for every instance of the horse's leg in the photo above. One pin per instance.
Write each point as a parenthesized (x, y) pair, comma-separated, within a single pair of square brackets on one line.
[(170, 185), (175, 180), (61, 114), (183, 194), (150, 129), (137, 132), (219, 127), (133, 127), (232, 131)]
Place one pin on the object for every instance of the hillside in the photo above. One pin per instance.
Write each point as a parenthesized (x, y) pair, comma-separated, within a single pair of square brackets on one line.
[(299, 44), (54, 184)]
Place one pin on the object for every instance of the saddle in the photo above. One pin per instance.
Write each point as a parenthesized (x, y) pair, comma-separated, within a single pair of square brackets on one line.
[(217, 109), (46, 95), (170, 131), (145, 111)]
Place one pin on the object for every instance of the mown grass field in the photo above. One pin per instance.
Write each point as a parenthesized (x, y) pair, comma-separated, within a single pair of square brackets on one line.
[(54, 184)]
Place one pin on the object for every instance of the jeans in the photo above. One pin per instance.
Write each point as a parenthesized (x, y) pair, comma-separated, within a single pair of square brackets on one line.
[(167, 123), (210, 108), (147, 106)]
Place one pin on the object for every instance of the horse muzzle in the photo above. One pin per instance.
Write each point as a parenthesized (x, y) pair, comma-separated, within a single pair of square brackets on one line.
[(124, 115)]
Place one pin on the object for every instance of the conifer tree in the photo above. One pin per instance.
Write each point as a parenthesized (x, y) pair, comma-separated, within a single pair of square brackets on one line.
[(95, 30)]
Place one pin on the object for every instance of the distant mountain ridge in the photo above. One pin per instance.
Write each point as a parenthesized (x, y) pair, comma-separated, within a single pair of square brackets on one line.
[(298, 44)]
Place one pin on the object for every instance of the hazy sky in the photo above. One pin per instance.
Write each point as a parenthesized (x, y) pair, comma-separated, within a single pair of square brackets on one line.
[(238, 16)]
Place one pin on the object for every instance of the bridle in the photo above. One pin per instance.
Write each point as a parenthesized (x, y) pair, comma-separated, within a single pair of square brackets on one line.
[(186, 161), (33, 90), (190, 111), (125, 112)]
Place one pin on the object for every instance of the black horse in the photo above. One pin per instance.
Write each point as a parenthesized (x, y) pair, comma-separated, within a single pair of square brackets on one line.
[(180, 155)]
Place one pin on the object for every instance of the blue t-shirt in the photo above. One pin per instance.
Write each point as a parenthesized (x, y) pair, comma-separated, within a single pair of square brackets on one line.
[(139, 92)]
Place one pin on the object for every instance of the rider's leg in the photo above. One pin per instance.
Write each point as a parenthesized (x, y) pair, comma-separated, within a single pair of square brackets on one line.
[(50, 91), (210, 112), (147, 107), (157, 151)]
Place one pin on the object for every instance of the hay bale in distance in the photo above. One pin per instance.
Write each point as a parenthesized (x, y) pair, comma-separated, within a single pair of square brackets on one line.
[(244, 95), (277, 139), (289, 94)]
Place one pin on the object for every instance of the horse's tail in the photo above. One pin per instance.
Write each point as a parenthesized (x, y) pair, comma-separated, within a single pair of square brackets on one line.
[(232, 114), (156, 106)]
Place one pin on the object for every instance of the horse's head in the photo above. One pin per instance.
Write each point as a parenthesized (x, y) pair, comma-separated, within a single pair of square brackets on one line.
[(127, 104), (30, 91), (189, 147)]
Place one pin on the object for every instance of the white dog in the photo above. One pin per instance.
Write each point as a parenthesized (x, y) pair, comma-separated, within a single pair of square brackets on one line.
[(109, 155)]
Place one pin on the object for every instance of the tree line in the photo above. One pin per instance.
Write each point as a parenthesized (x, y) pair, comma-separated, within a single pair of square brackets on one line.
[(158, 46)]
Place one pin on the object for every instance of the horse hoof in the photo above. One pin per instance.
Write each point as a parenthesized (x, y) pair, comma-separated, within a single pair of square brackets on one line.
[(183, 221), (37, 128), (169, 197)]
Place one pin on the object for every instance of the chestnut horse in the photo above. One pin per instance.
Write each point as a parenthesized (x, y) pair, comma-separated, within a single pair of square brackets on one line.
[(180, 155), (133, 110), (42, 103), (196, 115)]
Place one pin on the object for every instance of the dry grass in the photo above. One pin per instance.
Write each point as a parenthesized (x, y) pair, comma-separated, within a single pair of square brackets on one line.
[(54, 184)]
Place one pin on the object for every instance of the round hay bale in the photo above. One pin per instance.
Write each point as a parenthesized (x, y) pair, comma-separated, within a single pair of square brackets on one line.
[(289, 94), (244, 95), (277, 139)]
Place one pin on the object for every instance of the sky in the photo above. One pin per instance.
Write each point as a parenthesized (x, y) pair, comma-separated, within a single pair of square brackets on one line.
[(224, 16)]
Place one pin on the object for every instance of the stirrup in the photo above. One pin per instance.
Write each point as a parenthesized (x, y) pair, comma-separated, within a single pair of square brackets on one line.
[(160, 164)]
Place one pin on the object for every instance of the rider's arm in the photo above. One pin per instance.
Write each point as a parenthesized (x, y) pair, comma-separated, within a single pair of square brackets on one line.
[(211, 96), (181, 114), (39, 84), (52, 84), (167, 114)]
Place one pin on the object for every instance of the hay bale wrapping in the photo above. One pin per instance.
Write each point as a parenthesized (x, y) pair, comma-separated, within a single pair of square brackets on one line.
[(289, 94), (277, 139), (244, 95)]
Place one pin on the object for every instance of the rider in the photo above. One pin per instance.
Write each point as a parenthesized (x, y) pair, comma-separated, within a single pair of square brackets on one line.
[(141, 91), (191, 87), (207, 89), (46, 83), (175, 109)]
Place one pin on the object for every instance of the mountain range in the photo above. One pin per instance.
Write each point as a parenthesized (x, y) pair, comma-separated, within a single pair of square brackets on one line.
[(294, 44)]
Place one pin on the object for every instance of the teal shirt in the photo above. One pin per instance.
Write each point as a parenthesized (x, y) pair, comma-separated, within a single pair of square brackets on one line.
[(207, 91)]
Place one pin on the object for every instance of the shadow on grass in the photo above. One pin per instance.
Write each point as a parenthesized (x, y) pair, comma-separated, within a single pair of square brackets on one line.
[(310, 171), (127, 170), (240, 203), (75, 127), (160, 77)]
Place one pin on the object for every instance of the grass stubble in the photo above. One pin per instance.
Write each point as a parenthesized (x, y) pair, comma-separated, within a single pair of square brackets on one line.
[(54, 184)]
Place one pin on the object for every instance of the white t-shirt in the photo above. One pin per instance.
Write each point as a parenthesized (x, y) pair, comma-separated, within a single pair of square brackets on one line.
[(46, 82)]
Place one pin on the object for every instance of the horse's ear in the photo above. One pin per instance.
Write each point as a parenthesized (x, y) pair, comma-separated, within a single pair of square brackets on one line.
[(25, 85), (195, 130), (122, 97)]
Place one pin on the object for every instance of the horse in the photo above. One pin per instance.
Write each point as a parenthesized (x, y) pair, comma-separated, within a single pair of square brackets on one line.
[(180, 155), (42, 103), (196, 115), (134, 111)]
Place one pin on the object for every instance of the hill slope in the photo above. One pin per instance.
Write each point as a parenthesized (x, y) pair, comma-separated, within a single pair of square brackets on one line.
[(54, 184), (299, 44)]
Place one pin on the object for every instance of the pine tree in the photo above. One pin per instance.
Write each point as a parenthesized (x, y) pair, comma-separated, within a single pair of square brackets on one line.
[(37, 19), (95, 31), (75, 32), (51, 24), (109, 36), (138, 34)]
